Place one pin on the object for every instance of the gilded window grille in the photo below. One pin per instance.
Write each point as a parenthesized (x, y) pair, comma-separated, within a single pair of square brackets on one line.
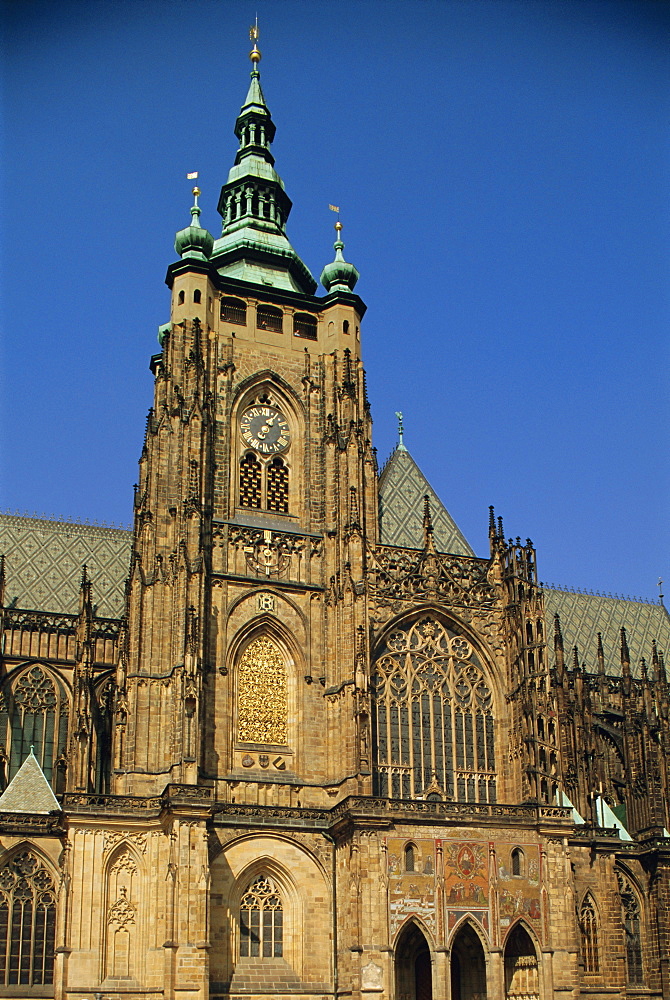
[(27, 922), (262, 699), (250, 481), (261, 920), (432, 716), (277, 485), (588, 926), (34, 713)]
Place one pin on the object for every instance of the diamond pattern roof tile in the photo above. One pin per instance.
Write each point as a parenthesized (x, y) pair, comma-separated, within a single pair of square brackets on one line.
[(29, 791), (584, 615), (43, 561), (402, 487)]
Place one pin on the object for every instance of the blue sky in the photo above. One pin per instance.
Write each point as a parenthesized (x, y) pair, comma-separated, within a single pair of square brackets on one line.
[(502, 169)]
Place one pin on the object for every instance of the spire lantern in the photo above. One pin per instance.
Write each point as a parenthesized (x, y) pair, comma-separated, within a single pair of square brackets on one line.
[(194, 241)]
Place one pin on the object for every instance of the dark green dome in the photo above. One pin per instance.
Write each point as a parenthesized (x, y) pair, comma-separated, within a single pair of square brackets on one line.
[(194, 241), (339, 275)]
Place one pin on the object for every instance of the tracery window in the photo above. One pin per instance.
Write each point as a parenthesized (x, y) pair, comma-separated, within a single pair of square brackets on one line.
[(33, 712), (632, 924), (432, 716), (262, 704), (261, 920), (27, 922), (588, 926)]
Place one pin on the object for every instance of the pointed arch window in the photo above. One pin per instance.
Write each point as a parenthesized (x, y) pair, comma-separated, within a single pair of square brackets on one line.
[(261, 920), (262, 702), (33, 712), (632, 924), (27, 922), (433, 725), (588, 927)]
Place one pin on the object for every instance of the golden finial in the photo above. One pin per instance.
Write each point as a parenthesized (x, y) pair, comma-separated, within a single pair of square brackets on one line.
[(254, 33), (196, 191)]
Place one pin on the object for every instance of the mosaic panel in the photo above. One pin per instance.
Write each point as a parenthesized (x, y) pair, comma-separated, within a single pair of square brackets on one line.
[(411, 893)]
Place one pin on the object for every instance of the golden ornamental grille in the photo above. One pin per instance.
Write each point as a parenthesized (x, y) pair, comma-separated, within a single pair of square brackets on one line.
[(433, 724), (250, 481), (262, 702), (278, 486)]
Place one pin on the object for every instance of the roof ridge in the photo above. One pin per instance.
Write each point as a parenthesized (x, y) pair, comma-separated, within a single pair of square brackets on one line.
[(77, 522), (657, 603)]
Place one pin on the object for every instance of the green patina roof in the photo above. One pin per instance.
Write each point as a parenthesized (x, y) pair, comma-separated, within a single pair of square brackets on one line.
[(402, 487), (254, 206), (43, 561), (584, 615)]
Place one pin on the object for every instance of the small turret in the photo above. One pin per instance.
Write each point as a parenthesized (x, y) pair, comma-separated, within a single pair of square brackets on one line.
[(339, 276), (194, 241)]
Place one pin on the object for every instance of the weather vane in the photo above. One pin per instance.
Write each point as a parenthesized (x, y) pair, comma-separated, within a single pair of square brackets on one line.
[(254, 34)]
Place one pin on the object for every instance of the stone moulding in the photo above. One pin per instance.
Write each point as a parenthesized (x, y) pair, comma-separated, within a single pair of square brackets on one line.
[(351, 808)]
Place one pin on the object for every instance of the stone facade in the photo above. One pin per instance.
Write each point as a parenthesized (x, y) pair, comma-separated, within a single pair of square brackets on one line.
[(306, 762)]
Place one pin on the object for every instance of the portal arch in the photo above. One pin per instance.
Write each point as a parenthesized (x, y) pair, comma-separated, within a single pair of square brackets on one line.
[(413, 963)]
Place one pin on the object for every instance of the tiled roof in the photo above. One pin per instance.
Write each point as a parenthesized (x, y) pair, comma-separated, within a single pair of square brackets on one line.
[(43, 562), (402, 487), (584, 615), (29, 791)]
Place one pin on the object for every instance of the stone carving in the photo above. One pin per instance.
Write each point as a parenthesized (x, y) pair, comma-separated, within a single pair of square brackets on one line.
[(262, 707), (122, 912), (372, 977), (114, 837), (400, 575), (266, 602)]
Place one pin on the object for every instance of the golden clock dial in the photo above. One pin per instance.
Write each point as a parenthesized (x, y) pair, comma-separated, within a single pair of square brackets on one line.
[(265, 429)]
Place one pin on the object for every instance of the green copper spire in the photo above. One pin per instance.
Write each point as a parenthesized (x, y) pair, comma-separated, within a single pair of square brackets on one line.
[(194, 241), (254, 206), (339, 276)]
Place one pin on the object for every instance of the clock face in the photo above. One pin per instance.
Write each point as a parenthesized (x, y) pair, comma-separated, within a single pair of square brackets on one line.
[(265, 429)]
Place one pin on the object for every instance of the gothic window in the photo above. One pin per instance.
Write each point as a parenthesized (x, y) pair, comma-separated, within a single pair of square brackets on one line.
[(262, 701), (269, 318), (277, 486), (433, 719), (33, 712), (588, 926), (250, 481), (632, 924), (410, 858), (517, 861), (261, 920), (234, 311), (304, 326), (27, 922)]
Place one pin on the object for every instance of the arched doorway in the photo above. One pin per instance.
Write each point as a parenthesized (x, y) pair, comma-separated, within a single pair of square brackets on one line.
[(521, 972), (413, 968), (468, 966)]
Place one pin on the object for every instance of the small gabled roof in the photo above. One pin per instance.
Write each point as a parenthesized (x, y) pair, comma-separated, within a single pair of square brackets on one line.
[(402, 488), (29, 791)]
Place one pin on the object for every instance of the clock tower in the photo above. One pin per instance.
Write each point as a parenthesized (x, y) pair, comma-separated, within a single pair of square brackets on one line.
[(246, 654)]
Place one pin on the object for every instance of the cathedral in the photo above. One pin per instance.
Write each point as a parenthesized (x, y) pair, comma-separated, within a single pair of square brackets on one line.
[(290, 737)]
